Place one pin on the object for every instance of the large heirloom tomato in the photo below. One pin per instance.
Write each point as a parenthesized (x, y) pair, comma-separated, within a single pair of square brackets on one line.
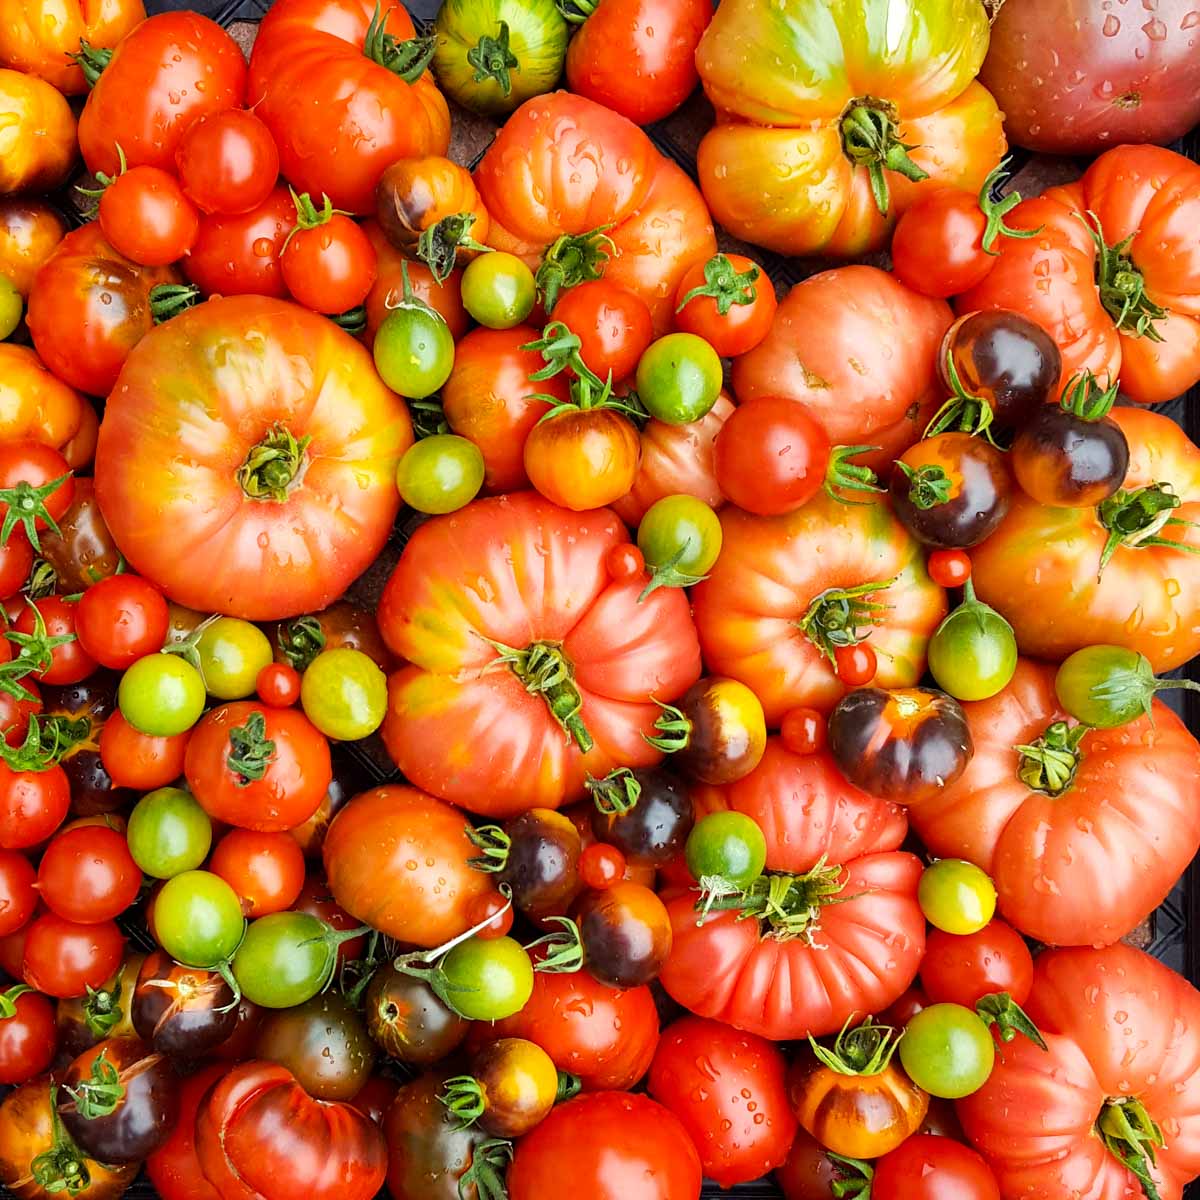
[(342, 86), (563, 164), (1083, 834), (248, 459), (1045, 568), (171, 70), (818, 105), (260, 1136), (787, 591), (1123, 1033), (1114, 274), (859, 350), (531, 667)]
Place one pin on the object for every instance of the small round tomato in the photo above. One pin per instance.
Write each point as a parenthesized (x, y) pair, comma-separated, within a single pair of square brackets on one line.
[(239, 254), (498, 290), (715, 732), (16, 561), (323, 1042), (679, 378), (625, 561), (680, 538), (146, 217), (728, 301), (928, 1167), (120, 619), (949, 568), (27, 1034), (440, 474), (511, 1088), (198, 919), (1108, 686), (963, 969), (414, 348), (582, 457), (63, 958), (227, 162), (486, 979), (344, 694), (33, 804), (232, 652), (410, 1023), (626, 934), (18, 894), (855, 665), (973, 652), (50, 624), (286, 958), (601, 866), (728, 845), (956, 896), (491, 915), (278, 684), (168, 833), (804, 731), (328, 262), (613, 325), (138, 760), (265, 869), (87, 874), (947, 1051), (36, 487)]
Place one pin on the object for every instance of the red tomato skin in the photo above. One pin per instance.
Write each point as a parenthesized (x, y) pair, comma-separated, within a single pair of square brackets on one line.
[(18, 897), (146, 216), (612, 323), (949, 568), (16, 560), (729, 1090), (138, 760), (330, 268), (239, 254), (964, 969), (174, 1168), (928, 1167), (612, 1146), (27, 1039), (227, 162), (937, 249), (121, 618), (856, 665), (278, 684), (265, 869), (743, 326), (87, 875), (64, 959), (33, 804)]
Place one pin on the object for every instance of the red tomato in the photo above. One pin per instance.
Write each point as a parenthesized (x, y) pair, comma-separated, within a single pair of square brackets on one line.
[(27, 1034), (18, 897), (612, 323), (328, 262), (168, 72), (316, 897), (949, 568), (256, 767), (138, 760), (64, 959), (174, 1168), (227, 162), (33, 804), (236, 255), (855, 665), (729, 301), (496, 910), (927, 1167), (601, 866), (265, 869), (729, 1090), (16, 561), (376, 1097), (809, 1173), (803, 731), (69, 661), (611, 1146), (278, 684), (964, 969), (120, 619), (147, 218), (87, 875), (36, 486)]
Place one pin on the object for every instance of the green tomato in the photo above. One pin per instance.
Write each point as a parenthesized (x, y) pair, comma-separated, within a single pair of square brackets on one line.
[(161, 695), (729, 845), (232, 652), (198, 919), (973, 652), (487, 979), (498, 290), (1107, 686), (679, 378), (11, 307), (344, 694), (286, 958), (680, 538), (956, 896), (948, 1051), (414, 350), (168, 833), (440, 474)]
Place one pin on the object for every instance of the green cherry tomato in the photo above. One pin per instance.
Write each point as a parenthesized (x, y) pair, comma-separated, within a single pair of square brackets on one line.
[(11, 307), (414, 350), (498, 290), (680, 538), (168, 833), (440, 474), (947, 1050), (487, 979), (198, 919), (232, 652), (344, 694), (956, 896), (285, 958), (679, 378), (729, 845), (161, 695), (1107, 686), (973, 652)]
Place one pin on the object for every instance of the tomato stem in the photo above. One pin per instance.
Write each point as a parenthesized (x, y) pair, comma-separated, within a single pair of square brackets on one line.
[(1122, 286), (843, 616), (560, 348), (575, 12), (102, 1010), (91, 60), (1085, 398), (495, 845), (616, 794), (273, 465), (544, 670), (1134, 519), (855, 1183), (668, 574), (407, 59), (1131, 1136), (790, 904), (571, 259), (1001, 1010), (9, 998), (438, 246), (168, 300), (870, 139), (492, 59), (462, 1098), (428, 417), (353, 320), (569, 1086), (489, 1165), (1049, 764), (63, 1166), (867, 1049), (724, 285), (995, 210), (674, 727), (564, 949), (99, 1094), (843, 475), (251, 752), (300, 641), (962, 412), (47, 741), (25, 505)]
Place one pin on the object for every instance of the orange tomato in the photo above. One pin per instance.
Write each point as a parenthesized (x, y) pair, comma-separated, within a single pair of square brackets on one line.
[(583, 458), (37, 135), (36, 404), (29, 232), (414, 194)]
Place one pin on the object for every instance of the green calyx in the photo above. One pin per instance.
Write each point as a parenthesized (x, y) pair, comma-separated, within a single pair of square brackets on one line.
[(562, 950), (870, 139), (854, 1177), (407, 59), (34, 656), (1010, 1019), (168, 300), (251, 752), (308, 215), (273, 465), (487, 1172), (428, 417), (867, 1049), (1085, 398), (438, 246), (48, 739), (91, 60), (353, 320), (1135, 519), (1122, 286), (571, 259), (9, 998), (62, 1169), (105, 181), (99, 1094), (844, 616), (668, 574), (25, 505), (560, 348), (102, 1011), (569, 1086), (300, 640), (544, 670), (575, 12), (616, 794), (724, 286), (493, 59), (928, 485), (462, 1098), (586, 393), (1049, 764), (789, 905), (674, 729), (995, 210), (495, 846), (842, 475), (1132, 1137), (962, 412)]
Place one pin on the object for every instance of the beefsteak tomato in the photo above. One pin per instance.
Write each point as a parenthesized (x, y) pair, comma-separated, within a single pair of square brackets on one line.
[(530, 667), (248, 459)]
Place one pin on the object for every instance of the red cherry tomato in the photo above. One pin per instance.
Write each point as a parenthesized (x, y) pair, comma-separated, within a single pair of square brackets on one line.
[(265, 869), (16, 561), (139, 760), (27, 1034), (625, 562), (63, 958), (493, 905), (120, 619), (804, 731), (69, 661), (278, 684), (855, 665), (328, 262), (928, 1167), (14, 712), (146, 217), (732, 303), (33, 804), (613, 325), (228, 162), (949, 568), (937, 249), (601, 866), (901, 1011), (30, 497), (964, 969), (18, 896), (237, 255), (87, 875)]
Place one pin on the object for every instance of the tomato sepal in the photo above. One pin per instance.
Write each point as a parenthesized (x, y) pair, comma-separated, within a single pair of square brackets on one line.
[(1009, 1018)]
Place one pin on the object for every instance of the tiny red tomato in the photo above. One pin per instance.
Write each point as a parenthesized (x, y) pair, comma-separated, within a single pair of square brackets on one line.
[(228, 162), (964, 969), (613, 325), (493, 905), (146, 217), (804, 731), (856, 665), (87, 875), (27, 1034), (625, 562), (278, 684), (63, 958), (728, 300), (949, 568), (120, 619), (328, 262), (265, 869), (928, 1167), (50, 623), (140, 760), (36, 489), (601, 866), (16, 561), (18, 896)]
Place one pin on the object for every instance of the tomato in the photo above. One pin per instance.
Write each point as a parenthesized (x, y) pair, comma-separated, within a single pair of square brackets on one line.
[(197, 919), (27, 1034), (716, 733), (787, 591), (182, 1011), (161, 695), (327, 261), (63, 958), (18, 896), (1107, 686), (227, 162), (257, 1127), (1094, 1007), (859, 350), (601, 866), (286, 958), (498, 290), (612, 1145), (626, 934), (147, 218), (728, 301), (803, 731), (413, 346), (169, 833), (973, 653), (278, 684), (36, 488), (344, 693), (53, 619), (1117, 222), (37, 144), (582, 166), (510, 1090), (947, 1050), (367, 851), (726, 845), (809, 1173), (174, 1168), (36, 406), (324, 1043), (239, 254), (407, 1019), (87, 875), (855, 665), (33, 805), (29, 232), (265, 869), (680, 538), (535, 858), (679, 378), (605, 657), (612, 323), (727, 1088), (933, 1168), (949, 568), (440, 474), (120, 619), (272, 472), (230, 654), (956, 896)]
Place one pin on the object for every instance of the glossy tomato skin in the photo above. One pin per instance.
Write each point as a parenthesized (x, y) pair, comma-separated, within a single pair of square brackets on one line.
[(928, 1167), (323, 1042), (39, 135), (29, 231), (408, 1021), (27, 1037), (718, 1081), (265, 557), (148, 95), (85, 551), (227, 162), (330, 268), (614, 1145), (147, 217), (33, 804), (964, 969), (36, 404), (582, 459), (18, 896), (64, 959), (938, 249), (87, 875), (235, 255), (748, 318), (173, 1168), (808, 1173), (612, 323)]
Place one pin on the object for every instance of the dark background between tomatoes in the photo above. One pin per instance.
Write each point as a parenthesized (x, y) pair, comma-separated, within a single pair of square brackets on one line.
[(1174, 932)]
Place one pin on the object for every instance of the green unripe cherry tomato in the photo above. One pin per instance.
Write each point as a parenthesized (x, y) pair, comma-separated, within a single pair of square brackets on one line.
[(498, 290), (956, 896), (680, 538), (168, 833), (198, 919), (11, 307), (285, 959), (232, 652), (947, 1050), (344, 694), (487, 979), (161, 695), (440, 474), (414, 350), (729, 845), (1107, 686), (679, 378), (973, 652)]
